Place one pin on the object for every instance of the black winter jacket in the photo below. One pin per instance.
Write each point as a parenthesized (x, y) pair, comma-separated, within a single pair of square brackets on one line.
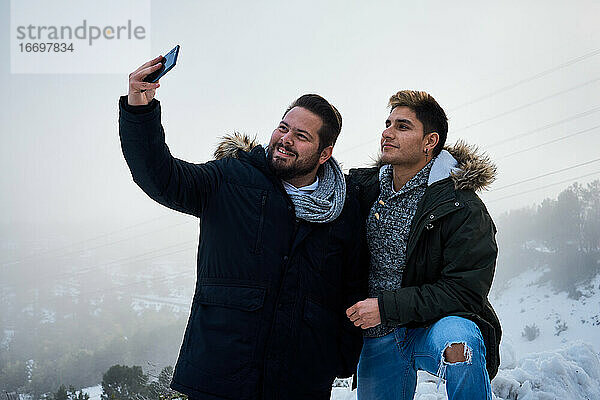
[(451, 251), (268, 314)]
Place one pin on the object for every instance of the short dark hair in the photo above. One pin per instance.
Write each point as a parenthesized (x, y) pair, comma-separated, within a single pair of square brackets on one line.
[(330, 116), (428, 111)]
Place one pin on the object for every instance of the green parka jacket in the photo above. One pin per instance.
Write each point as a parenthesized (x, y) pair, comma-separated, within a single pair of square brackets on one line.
[(451, 251)]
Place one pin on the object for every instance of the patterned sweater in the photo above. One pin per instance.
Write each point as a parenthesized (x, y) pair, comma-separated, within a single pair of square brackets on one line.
[(388, 227)]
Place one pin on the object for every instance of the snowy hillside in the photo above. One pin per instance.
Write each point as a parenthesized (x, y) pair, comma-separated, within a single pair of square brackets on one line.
[(561, 361), (560, 320), (556, 358)]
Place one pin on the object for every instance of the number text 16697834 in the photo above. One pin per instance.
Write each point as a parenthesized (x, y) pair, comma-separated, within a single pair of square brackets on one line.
[(48, 47)]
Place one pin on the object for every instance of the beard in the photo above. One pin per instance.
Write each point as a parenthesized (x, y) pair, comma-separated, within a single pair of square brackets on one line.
[(401, 158), (289, 169)]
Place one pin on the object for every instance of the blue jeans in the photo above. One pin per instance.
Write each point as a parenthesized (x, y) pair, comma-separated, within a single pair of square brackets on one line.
[(388, 365)]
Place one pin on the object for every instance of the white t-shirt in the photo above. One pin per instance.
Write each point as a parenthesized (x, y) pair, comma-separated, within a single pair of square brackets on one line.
[(291, 189)]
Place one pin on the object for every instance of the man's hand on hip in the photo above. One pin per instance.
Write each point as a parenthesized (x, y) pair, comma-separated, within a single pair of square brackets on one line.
[(365, 314), (140, 92)]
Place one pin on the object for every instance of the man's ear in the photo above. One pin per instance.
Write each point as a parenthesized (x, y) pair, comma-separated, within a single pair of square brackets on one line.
[(431, 140), (325, 154)]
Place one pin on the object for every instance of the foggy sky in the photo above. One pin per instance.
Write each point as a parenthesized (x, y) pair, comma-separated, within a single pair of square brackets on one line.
[(500, 71)]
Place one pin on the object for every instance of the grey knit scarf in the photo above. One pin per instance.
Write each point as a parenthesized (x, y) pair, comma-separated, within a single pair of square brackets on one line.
[(325, 204)]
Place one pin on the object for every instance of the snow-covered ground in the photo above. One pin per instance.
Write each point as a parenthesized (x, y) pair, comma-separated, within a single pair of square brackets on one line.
[(560, 320), (561, 363), (95, 392), (175, 305)]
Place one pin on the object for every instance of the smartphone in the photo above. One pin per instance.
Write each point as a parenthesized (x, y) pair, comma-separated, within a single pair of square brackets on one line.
[(168, 62)]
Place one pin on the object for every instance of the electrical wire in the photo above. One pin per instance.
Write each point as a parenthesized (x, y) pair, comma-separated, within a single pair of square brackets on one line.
[(521, 107), (537, 146), (528, 79), (543, 187), (546, 174), (44, 253)]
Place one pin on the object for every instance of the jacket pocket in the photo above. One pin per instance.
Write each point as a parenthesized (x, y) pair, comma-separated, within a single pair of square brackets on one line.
[(238, 297), (317, 351), (225, 329)]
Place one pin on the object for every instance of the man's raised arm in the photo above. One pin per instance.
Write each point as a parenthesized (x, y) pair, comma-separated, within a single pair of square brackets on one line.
[(175, 183)]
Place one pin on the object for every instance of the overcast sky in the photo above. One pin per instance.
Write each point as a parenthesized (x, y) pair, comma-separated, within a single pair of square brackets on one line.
[(512, 76)]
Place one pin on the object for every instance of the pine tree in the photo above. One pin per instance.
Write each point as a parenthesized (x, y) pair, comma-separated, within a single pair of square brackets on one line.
[(121, 382)]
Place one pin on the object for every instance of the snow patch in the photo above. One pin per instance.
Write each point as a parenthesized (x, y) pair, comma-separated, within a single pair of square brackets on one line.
[(569, 373), (93, 391)]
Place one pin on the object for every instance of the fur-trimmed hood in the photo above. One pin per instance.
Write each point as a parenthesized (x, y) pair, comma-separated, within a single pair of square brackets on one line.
[(466, 164), (468, 167), (475, 169), (231, 145)]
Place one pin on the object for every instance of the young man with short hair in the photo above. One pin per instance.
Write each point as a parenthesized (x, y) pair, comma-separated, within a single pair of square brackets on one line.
[(432, 260)]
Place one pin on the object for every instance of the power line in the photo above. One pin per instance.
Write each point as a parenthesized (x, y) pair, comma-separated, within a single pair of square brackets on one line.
[(509, 139), (542, 99), (186, 249), (181, 250), (33, 256), (44, 252), (505, 88), (115, 287), (136, 258), (538, 75), (118, 287), (541, 128), (528, 79), (544, 187), (548, 142), (546, 174), (140, 282)]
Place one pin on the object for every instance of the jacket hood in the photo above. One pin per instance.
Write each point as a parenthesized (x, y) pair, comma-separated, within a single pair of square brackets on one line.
[(468, 167), (475, 169), (231, 145)]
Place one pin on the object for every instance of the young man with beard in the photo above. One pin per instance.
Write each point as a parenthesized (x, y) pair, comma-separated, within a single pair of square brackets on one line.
[(432, 260), (277, 256)]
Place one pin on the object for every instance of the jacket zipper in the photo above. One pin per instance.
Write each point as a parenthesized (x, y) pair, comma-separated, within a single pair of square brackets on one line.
[(257, 247), (286, 264)]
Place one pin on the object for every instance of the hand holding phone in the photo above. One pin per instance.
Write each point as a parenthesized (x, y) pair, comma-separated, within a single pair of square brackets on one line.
[(143, 82), (168, 62)]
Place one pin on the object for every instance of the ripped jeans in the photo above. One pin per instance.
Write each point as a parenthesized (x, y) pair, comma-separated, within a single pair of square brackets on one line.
[(388, 365)]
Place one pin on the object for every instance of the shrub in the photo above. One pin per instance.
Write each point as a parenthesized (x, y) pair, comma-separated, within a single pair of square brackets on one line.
[(530, 332)]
